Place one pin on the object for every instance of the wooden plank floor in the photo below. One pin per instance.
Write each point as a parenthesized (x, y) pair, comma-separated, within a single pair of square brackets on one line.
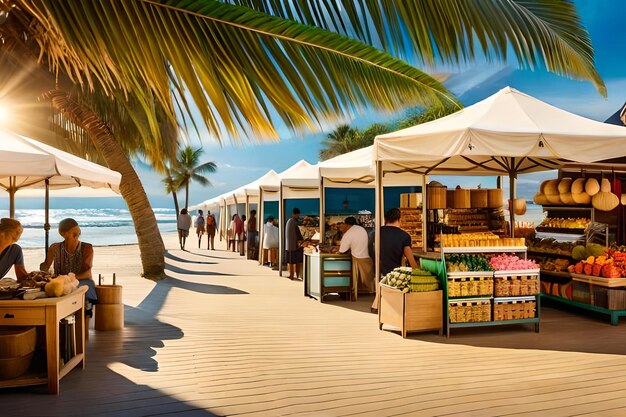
[(223, 336)]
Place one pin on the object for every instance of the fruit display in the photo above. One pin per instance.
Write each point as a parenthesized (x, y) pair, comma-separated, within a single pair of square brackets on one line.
[(561, 223), (483, 239), (598, 266), (552, 264), (408, 279), (506, 262), (580, 252), (550, 245), (466, 263)]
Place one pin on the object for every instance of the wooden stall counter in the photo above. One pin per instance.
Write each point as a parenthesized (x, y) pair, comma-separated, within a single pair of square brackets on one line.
[(326, 273), (47, 312)]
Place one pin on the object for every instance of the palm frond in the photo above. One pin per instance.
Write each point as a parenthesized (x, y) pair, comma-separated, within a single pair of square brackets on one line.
[(244, 70), (546, 33)]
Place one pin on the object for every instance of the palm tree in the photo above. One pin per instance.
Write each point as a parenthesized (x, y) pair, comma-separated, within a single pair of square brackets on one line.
[(341, 140), (419, 116), (171, 186), (246, 65), (189, 168)]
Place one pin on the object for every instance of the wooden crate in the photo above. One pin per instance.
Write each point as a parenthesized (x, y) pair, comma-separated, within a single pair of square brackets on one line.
[(410, 312), (470, 284), (516, 283), (514, 309), (469, 311)]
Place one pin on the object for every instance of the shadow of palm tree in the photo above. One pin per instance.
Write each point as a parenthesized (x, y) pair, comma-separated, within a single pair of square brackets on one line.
[(173, 257), (179, 270)]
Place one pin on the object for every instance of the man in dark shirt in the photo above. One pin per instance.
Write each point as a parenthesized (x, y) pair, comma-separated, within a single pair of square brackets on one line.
[(395, 243)]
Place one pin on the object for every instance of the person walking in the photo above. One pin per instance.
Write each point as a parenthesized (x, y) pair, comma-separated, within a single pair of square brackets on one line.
[(252, 237), (293, 246), (270, 242), (395, 244), (210, 230), (183, 224), (199, 224), (355, 241), (242, 237)]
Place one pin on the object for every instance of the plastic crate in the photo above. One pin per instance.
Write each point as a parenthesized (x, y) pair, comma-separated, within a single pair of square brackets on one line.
[(469, 311)]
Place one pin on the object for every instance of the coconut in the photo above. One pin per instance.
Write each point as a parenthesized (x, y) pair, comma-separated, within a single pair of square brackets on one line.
[(567, 198), (592, 187), (519, 206), (578, 186), (605, 185), (565, 185), (551, 188), (540, 198), (622, 200), (581, 198), (604, 201)]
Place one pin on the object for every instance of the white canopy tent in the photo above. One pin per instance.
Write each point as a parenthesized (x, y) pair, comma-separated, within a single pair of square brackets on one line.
[(26, 163), (508, 133)]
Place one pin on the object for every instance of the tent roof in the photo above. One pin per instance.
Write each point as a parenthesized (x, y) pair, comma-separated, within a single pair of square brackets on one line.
[(618, 118), (352, 166), (508, 132), (31, 162)]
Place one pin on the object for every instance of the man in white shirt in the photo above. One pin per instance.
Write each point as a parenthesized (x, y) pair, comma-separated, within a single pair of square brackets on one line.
[(355, 240)]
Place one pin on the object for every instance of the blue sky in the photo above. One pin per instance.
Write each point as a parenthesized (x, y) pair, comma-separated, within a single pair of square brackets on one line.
[(604, 19)]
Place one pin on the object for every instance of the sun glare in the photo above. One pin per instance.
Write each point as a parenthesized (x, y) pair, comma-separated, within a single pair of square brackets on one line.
[(3, 115)]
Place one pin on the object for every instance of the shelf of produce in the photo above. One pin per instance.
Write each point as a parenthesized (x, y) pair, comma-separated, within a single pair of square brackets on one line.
[(600, 281), (614, 314), (556, 273), (550, 254), (464, 274), (520, 298), (534, 320), (561, 230), (483, 249)]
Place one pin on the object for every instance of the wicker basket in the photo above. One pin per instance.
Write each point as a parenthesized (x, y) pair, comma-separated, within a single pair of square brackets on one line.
[(471, 284), (516, 283), (514, 310), (469, 311)]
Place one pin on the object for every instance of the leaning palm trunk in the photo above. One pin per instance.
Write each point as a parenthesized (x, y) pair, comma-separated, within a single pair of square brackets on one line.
[(150, 243)]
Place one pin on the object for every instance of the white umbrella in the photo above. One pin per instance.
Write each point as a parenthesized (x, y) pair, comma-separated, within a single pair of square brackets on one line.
[(26, 163)]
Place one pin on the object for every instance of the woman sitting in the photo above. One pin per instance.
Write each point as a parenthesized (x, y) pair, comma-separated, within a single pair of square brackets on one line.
[(75, 256), (10, 252)]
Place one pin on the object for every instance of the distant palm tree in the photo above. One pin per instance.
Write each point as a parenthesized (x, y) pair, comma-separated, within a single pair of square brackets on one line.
[(171, 186), (341, 140), (189, 168), (372, 131), (420, 116)]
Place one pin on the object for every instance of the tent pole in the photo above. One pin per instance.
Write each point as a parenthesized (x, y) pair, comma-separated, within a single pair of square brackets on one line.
[(322, 213), (46, 225), (261, 223), (511, 200), (11, 190), (281, 228), (378, 219)]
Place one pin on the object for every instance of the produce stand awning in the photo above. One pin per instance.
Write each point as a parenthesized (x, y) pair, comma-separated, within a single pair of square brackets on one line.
[(507, 133)]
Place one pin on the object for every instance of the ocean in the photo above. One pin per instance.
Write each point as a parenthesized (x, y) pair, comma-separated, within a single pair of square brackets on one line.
[(99, 226)]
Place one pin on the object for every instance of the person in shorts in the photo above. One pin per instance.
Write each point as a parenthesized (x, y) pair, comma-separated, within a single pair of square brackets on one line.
[(183, 224), (294, 251)]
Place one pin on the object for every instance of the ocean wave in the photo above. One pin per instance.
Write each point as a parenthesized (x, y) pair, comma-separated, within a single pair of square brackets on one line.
[(88, 217)]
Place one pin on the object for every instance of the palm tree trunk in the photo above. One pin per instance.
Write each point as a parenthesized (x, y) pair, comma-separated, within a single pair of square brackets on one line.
[(175, 202), (151, 244), (187, 195)]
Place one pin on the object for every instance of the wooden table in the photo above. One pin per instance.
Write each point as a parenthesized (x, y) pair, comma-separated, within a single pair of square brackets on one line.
[(47, 312)]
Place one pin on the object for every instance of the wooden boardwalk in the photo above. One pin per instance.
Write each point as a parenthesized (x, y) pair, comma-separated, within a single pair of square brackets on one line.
[(223, 336)]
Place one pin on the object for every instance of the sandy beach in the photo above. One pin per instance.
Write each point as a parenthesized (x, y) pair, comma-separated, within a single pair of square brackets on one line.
[(224, 336)]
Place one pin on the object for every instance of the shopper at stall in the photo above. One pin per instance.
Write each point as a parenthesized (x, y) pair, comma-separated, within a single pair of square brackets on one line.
[(270, 242), (294, 251), (10, 252), (395, 244), (72, 255), (210, 230), (183, 224), (252, 237), (355, 241), (241, 244), (199, 224)]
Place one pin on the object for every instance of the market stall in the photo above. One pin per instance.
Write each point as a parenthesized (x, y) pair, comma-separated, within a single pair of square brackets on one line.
[(508, 134)]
